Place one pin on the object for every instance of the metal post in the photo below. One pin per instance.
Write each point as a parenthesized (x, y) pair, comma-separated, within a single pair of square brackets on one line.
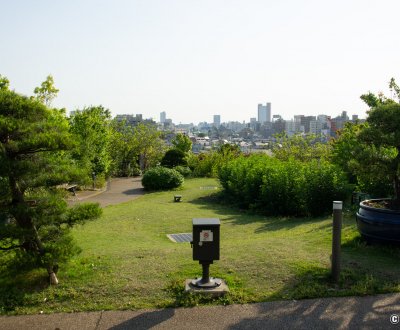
[(94, 179), (336, 239), (206, 273)]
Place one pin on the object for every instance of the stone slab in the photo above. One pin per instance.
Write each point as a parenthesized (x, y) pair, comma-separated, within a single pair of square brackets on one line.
[(215, 292)]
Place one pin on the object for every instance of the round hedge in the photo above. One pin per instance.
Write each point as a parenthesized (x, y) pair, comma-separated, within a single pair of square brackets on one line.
[(161, 178)]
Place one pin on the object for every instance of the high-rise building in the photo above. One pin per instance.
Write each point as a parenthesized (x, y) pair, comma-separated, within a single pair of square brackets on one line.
[(264, 113), (217, 120), (163, 117)]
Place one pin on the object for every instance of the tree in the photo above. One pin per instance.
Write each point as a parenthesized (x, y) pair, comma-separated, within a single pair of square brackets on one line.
[(383, 133), (123, 150), (174, 157), (4, 83), (149, 146), (47, 92), (371, 151), (182, 142), (34, 218), (304, 148), (134, 147), (91, 129)]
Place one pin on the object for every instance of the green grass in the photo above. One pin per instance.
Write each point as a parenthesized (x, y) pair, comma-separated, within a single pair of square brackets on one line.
[(128, 262)]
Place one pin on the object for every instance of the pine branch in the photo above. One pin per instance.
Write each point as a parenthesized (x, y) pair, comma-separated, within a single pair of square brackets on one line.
[(13, 247)]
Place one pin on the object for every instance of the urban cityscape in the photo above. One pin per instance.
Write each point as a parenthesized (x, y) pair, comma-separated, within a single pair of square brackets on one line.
[(253, 135)]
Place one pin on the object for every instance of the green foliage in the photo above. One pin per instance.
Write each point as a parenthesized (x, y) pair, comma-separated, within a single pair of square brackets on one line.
[(134, 148), (174, 157), (161, 178), (202, 164), (184, 170), (373, 149), (34, 158), (278, 187), (208, 164), (47, 92), (303, 148), (363, 162), (91, 129), (4, 83), (182, 142), (122, 149)]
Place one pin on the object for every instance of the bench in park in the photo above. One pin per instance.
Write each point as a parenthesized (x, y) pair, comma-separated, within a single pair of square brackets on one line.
[(70, 187)]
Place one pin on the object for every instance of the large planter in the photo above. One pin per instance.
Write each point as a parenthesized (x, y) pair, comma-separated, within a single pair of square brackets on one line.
[(378, 223)]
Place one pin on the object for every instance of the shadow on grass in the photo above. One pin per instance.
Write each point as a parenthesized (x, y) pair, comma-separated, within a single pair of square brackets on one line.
[(16, 287), (237, 216), (135, 191)]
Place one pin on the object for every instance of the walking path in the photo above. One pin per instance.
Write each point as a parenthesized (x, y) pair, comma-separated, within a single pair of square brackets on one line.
[(372, 312), (329, 313), (118, 190)]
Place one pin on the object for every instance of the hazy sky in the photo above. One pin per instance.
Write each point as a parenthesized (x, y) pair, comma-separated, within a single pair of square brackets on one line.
[(197, 58)]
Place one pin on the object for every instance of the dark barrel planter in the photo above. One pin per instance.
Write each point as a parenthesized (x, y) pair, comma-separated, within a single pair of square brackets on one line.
[(378, 223)]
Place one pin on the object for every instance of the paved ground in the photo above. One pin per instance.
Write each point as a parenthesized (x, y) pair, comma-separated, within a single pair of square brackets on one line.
[(118, 190), (331, 313), (376, 312)]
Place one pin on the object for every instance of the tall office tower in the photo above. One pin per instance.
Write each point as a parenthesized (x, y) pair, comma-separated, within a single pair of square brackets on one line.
[(268, 112), (217, 120), (163, 117), (264, 113)]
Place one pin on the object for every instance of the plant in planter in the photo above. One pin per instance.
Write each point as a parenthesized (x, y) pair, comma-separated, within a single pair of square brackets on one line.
[(370, 153)]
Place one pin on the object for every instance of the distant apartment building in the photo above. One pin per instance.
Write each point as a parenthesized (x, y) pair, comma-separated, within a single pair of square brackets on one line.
[(264, 113), (298, 119), (235, 126), (217, 120), (306, 122), (278, 126), (290, 127), (163, 117), (130, 119), (315, 127)]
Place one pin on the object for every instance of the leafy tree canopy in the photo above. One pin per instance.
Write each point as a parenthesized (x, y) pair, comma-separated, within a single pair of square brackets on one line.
[(47, 92), (371, 151), (182, 142), (91, 128), (4, 83), (303, 148)]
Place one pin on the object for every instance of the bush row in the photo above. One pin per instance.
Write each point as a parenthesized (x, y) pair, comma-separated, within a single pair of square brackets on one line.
[(278, 187)]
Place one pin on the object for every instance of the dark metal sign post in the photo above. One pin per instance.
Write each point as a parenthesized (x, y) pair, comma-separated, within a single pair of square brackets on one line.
[(205, 245), (336, 239)]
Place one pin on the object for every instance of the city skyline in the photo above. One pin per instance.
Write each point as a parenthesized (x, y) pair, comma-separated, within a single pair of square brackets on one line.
[(196, 59)]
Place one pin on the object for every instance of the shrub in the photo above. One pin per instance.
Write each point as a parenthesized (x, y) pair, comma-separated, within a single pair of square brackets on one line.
[(184, 170), (202, 165), (208, 164), (277, 187), (161, 178)]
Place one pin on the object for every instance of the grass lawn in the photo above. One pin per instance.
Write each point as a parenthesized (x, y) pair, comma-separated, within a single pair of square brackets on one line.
[(128, 262)]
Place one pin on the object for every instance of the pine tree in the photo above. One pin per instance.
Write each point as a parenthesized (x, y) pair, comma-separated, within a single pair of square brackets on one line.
[(34, 218)]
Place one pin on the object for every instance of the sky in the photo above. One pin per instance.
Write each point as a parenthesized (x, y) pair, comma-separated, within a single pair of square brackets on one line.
[(197, 58)]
